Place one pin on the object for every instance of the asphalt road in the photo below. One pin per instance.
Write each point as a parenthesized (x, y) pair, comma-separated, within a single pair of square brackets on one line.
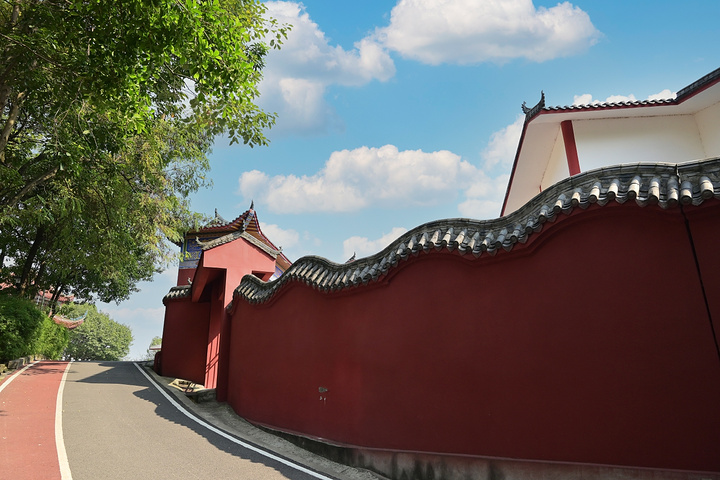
[(120, 421), (118, 425)]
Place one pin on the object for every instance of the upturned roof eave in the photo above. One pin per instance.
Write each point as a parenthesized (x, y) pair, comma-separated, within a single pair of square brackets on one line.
[(540, 114)]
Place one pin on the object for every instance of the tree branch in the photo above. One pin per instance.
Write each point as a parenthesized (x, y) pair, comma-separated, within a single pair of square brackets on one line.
[(34, 183), (9, 123), (38, 55)]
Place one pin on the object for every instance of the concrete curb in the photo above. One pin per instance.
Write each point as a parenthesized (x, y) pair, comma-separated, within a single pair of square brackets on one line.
[(7, 370), (365, 463), (223, 417)]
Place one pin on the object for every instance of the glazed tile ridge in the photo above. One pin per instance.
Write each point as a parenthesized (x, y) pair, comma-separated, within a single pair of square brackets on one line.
[(607, 105), (664, 185)]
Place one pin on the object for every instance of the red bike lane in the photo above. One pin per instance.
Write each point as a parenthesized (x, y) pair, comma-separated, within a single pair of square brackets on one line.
[(27, 423)]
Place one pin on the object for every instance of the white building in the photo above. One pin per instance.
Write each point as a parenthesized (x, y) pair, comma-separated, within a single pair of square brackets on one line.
[(558, 142)]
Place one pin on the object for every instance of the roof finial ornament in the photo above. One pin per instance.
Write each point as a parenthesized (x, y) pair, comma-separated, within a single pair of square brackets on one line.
[(200, 242), (252, 204), (531, 112), (217, 220)]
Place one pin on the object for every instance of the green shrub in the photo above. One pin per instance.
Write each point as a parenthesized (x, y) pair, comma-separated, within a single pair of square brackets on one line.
[(52, 341), (21, 325)]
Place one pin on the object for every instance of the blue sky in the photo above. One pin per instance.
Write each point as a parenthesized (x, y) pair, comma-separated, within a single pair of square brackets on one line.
[(393, 114)]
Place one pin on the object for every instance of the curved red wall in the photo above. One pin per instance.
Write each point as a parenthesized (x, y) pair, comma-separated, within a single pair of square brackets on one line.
[(591, 343)]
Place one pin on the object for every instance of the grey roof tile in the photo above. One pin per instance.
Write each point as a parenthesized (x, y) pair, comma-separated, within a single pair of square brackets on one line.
[(175, 293), (663, 185)]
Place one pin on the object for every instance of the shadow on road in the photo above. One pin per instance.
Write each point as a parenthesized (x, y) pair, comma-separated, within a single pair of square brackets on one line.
[(48, 367), (125, 373)]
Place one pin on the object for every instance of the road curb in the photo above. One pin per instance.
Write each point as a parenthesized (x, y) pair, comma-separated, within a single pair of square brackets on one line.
[(221, 416)]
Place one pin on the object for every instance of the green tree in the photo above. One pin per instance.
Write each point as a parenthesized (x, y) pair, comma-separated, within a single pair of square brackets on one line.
[(97, 236), (52, 339), (20, 325), (25, 330), (150, 354), (107, 113), (98, 337)]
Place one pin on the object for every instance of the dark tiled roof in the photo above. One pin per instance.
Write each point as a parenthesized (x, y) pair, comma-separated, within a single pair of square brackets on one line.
[(611, 105), (246, 226), (665, 185), (695, 87), (219, 224), (182, 291)]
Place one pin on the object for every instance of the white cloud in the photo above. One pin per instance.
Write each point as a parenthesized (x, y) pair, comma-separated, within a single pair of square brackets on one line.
[(621, 98), (584, 99), (665, 94), (281, 238), (587, 98), (484, 199), (503, 145), (297, 76), (364, 247), (473, 31), (364, 177), (386, 177)]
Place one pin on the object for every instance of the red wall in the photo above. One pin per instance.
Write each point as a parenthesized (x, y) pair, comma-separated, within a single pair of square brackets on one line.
[(591, 343), (703, 225), (184, 344), (195, 329)]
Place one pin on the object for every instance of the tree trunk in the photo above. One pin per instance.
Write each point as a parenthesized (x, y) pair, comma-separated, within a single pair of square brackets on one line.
[(54, 300), (37, 279), (32, 253)]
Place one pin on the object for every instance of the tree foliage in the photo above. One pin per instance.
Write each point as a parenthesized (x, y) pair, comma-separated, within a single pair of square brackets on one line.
[(150, 354), (107, 113), (98, 337), (53, 339), (25, 330), (20, 322)]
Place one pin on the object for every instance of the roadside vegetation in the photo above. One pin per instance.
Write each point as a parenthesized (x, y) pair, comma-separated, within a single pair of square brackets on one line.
[(98, 337), (25, 330), (108, 110)]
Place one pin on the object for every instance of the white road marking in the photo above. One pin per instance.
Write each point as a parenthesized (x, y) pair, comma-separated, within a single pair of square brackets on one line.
[(14, 375), (230, 437), (65, 473)]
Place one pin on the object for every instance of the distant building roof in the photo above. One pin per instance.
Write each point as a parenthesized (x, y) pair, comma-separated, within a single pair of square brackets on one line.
[(220, 231), (673, 130), (682, 96), (69, 323)]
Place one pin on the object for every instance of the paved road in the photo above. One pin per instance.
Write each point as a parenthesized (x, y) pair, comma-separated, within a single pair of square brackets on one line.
[(117, 424)]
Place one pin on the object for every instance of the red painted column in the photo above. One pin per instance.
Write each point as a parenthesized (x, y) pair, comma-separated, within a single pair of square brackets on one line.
[(570, 147)]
